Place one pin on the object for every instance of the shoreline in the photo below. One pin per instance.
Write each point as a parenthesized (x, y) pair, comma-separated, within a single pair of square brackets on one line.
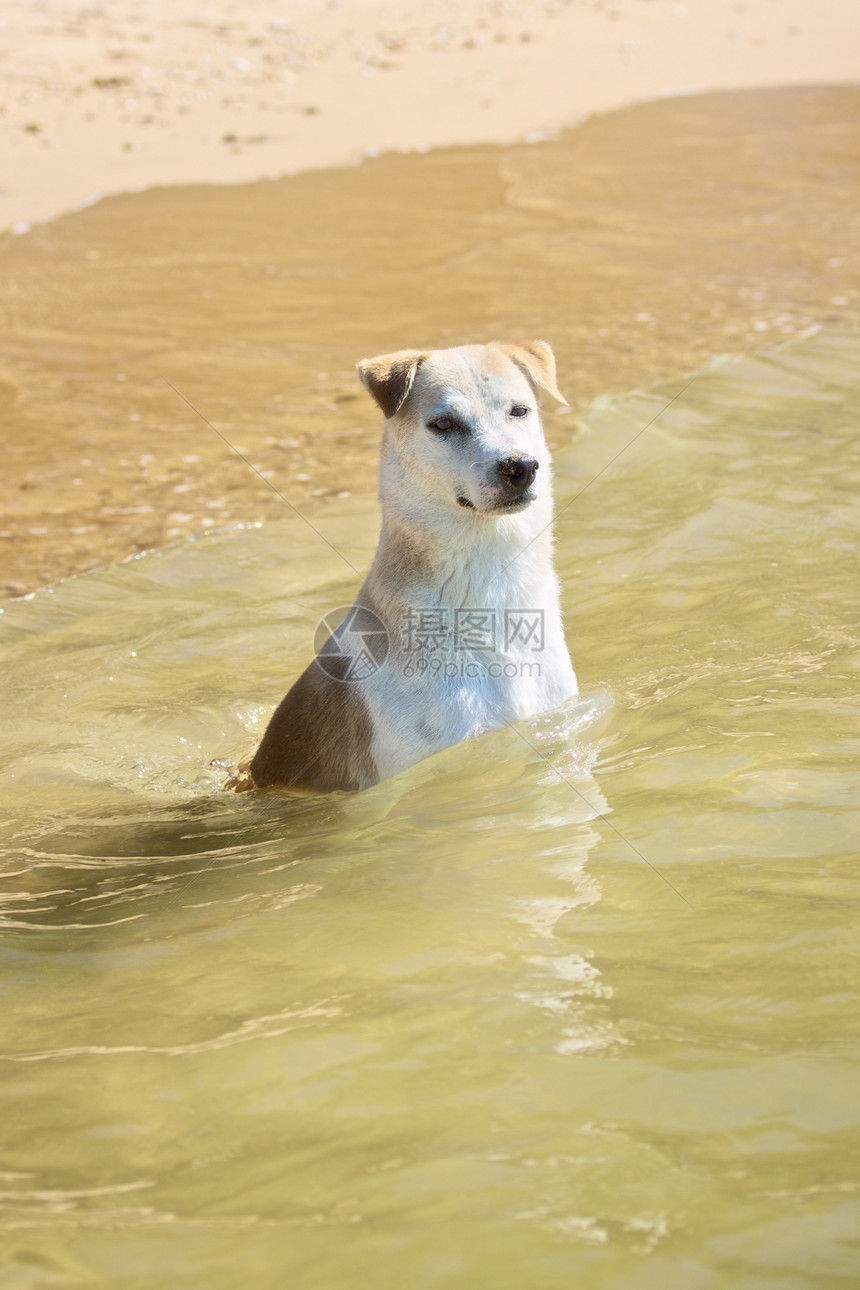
[(639, 244), (686, 225), (94, 104)]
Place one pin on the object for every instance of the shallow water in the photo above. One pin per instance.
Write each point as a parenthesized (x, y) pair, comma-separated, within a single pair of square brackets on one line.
[(575, 1003)]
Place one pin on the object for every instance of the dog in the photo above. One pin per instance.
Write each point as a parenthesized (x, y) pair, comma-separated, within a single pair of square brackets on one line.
[(457, 629)]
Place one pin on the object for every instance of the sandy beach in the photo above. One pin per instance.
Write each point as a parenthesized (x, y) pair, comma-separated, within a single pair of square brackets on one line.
[(102, 99), (640, 242)]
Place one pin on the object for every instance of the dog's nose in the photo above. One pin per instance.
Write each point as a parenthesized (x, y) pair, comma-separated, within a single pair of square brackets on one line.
[(518, 472)]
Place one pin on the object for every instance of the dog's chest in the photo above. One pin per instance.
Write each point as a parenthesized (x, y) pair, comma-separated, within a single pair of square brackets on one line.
[(459, 665)]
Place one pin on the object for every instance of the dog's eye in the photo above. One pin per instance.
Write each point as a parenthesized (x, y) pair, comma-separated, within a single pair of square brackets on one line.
[(442, 425), (519, 410)]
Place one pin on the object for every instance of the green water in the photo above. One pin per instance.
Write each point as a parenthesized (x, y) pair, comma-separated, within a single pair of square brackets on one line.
[(572, 1005)]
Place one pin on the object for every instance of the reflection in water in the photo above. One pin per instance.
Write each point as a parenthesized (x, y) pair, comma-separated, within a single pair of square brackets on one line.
[(573, 996)]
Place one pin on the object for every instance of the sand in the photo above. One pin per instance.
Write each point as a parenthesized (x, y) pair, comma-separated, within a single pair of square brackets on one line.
[(98, 98), (639, 243)]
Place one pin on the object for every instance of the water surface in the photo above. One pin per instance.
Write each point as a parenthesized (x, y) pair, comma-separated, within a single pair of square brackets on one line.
[(575, 1003)]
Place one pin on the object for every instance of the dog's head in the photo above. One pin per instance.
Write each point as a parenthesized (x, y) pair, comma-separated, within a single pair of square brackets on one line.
[(465, 421)]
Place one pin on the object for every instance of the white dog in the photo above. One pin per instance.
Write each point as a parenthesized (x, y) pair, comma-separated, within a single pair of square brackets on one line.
[(457, 628)]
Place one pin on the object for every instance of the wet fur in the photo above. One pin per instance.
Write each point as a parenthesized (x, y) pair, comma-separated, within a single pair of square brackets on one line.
[(318, 739)]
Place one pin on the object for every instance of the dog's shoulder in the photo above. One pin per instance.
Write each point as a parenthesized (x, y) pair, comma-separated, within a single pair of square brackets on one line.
[(319, 738)]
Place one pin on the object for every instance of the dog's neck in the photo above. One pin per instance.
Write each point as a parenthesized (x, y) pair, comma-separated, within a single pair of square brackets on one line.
[(457, 557)]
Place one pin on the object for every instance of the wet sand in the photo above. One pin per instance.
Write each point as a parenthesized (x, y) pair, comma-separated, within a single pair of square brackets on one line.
[(669, 232), (98, 99)]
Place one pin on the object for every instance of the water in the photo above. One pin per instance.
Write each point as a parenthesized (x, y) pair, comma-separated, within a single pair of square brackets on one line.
[(575, 1003)]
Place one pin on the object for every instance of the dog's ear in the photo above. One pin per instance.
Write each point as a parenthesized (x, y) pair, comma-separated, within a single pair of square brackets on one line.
[(390, 377), (536, 359)]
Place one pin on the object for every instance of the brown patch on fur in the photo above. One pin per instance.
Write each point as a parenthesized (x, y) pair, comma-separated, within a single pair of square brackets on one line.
[(390, 377), (318, 740), (401, 562), (536, 359)]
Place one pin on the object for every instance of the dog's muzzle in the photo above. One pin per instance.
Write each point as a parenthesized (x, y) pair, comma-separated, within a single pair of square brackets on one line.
[(514, 476)]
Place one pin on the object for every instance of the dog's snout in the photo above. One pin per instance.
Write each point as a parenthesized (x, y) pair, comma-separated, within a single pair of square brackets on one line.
[(518, 472)]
